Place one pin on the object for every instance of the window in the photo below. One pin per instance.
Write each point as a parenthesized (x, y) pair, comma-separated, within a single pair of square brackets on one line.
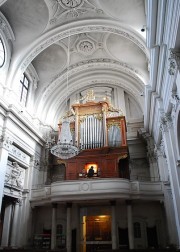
[(2, 53), (23, 89), (137, 230)]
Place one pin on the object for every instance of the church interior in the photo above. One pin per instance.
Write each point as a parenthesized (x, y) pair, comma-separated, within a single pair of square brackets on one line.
[(90, 125)]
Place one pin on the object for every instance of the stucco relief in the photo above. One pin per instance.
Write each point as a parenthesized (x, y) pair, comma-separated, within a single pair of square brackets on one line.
[(175, 101), (14, 176), (99, 28), (86, 47), (17, 153), (174, 62), (166, 122), (5, 142), (71, 8)]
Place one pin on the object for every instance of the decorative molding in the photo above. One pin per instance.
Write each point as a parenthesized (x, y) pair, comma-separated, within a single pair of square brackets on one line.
[(86, 64), (71, 8), (15, 177), (175, 101), (86, 47), (18, 154), (74, 31), (174, 61), (34, 78), (166, 122), (5, 27), (5, 142), (160, 149)]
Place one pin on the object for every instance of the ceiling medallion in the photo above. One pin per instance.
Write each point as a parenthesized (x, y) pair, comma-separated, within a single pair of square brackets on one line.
[(86, 47), (70, 4)]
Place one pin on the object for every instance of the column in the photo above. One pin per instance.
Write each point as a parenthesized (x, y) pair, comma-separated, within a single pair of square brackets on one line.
[(154, 170), (130, 224), (104, 110), (168, 133), (6, 226), (170, 215), (68, 229), (76, 126), (113, 225), (53, 228), (76, 218), (14, 231), (5, 144)]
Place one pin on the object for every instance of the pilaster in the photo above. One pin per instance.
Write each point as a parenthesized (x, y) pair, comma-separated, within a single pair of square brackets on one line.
[(5, 144), (168, 134), (68, 228), (130, 224), (53, 228), (113, 225)]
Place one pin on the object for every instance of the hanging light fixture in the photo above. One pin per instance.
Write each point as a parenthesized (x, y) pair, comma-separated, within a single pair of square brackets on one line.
[(65, 148)]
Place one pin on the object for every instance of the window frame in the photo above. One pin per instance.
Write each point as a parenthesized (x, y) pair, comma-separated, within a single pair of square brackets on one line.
[(23, 88), (4, 52)]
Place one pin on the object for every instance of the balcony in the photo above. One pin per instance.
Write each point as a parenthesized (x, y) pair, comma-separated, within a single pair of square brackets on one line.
[(98, 189)]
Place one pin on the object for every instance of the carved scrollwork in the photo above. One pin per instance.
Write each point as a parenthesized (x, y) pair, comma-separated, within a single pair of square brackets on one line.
[(175, 101), (166, 122), (5, 142), (174, 62)]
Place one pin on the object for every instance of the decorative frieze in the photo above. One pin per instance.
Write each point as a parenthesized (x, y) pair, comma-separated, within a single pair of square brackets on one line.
[(174, 62), (18, 154)]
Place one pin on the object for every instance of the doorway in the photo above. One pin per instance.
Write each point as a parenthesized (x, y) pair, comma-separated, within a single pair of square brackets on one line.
[(96, 233), (152, 237)]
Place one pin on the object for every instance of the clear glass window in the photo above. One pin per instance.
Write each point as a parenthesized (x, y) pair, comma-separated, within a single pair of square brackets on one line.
[(23, 89), (2, 53)]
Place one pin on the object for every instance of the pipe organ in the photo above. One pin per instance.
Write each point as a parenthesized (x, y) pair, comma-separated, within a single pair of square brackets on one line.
[(99, 132), (96, 125)]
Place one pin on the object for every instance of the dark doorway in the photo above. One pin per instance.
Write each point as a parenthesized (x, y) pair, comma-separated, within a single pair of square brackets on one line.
[(73, 247), (123, 238), (152, 237), (124, 168)]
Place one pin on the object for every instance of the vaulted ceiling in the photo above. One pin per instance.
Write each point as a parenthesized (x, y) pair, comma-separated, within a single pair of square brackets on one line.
[(74, 45)]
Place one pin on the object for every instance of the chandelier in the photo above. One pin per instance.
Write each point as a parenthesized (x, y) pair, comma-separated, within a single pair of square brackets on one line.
[(65, 148)]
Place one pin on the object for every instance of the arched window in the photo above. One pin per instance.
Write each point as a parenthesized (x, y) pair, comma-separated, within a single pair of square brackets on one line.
[(137, 230), (23, 89), (2, 53)]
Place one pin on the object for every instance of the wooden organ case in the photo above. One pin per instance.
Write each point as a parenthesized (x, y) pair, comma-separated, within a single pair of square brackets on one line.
[(99, 131)]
